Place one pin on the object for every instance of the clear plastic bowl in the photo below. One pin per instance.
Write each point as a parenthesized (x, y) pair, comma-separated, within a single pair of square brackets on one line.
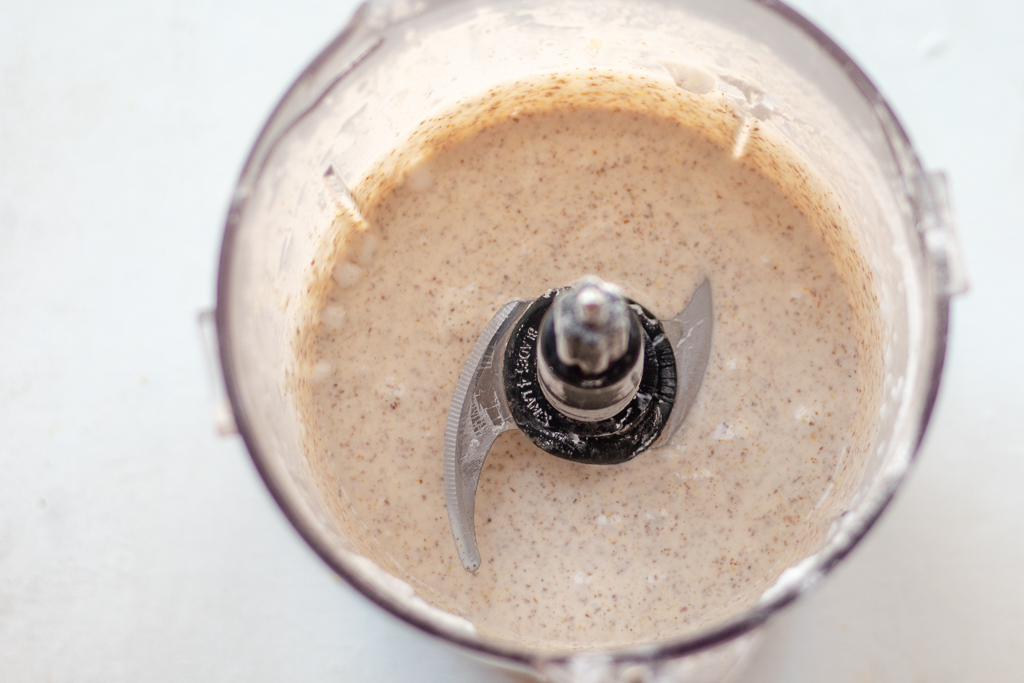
[(396, 63)]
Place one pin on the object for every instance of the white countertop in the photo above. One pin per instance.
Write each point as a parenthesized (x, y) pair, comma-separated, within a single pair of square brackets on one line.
[(136, 545)]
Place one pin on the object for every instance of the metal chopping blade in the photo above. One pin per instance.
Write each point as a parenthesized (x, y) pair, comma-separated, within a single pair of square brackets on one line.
[(480, 412), (690, 334)]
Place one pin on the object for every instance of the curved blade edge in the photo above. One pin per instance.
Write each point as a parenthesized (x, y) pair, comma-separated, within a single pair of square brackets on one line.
[(478, 414), (690, 334)]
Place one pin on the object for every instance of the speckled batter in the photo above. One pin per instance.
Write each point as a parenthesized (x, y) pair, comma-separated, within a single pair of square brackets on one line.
[(534, 196)]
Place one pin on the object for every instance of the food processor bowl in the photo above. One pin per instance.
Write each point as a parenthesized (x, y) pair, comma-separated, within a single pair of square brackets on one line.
[(396, 64)]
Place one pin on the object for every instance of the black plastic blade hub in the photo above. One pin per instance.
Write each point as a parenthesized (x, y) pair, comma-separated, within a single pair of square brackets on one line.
[(614, 440)]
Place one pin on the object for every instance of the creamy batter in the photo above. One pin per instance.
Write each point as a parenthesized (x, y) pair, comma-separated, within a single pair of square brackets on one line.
[(531, 187)]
